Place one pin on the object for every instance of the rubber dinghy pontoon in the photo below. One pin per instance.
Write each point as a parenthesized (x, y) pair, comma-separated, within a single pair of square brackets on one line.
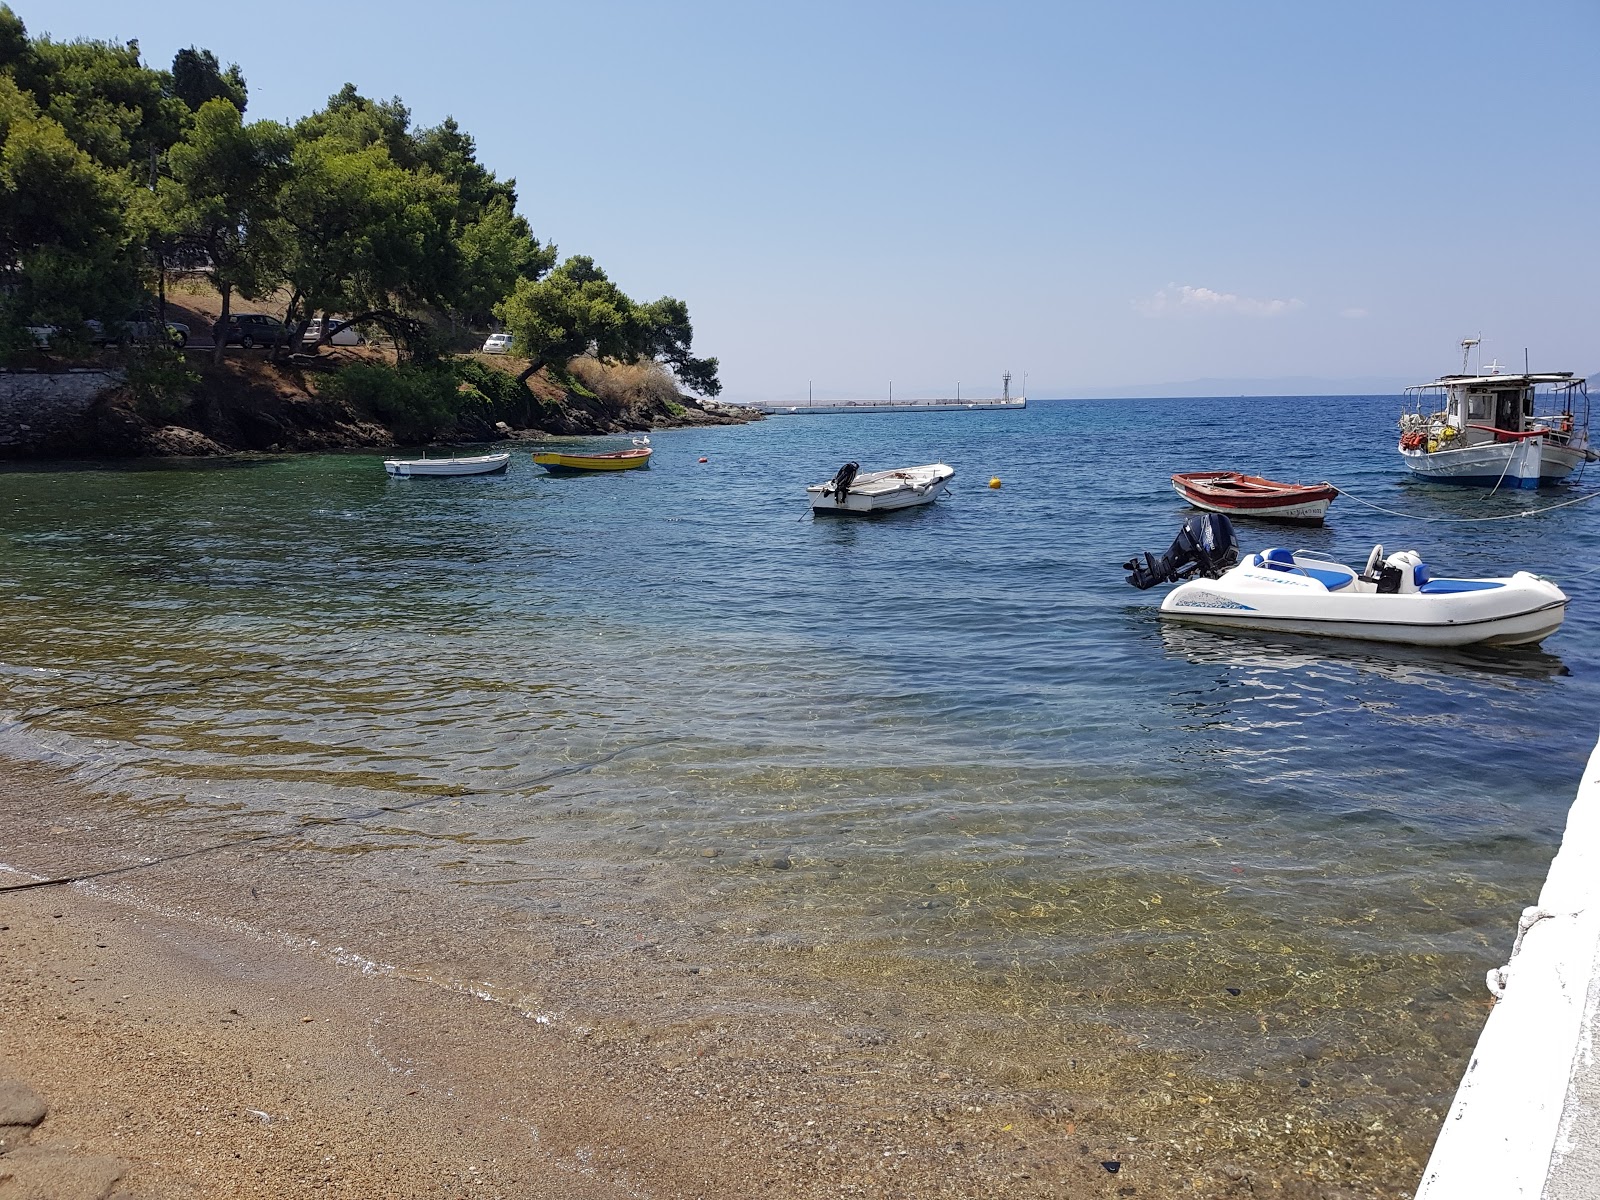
[(1395, 599)]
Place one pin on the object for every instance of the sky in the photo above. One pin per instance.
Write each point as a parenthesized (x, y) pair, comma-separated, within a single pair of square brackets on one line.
[(1104, 198)]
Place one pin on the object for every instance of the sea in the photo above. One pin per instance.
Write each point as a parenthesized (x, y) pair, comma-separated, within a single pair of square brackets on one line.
[(949, 748)]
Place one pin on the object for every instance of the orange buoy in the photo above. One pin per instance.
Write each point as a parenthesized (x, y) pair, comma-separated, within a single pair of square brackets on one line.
[(705, 460)]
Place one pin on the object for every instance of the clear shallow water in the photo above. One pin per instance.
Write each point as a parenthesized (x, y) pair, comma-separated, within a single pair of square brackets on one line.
[(951, 744)]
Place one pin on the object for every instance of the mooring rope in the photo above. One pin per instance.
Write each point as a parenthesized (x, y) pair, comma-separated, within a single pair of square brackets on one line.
[(1532, 512), (343, 818)]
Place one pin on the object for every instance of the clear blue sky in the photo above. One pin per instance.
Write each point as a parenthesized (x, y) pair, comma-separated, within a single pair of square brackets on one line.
[(1101, 195)]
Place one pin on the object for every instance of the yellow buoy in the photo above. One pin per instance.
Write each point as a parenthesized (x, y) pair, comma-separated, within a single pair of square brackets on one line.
[(995, 482)]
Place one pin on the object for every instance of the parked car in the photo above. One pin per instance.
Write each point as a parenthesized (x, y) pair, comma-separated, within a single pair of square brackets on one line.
[(135, 329), (497, 343), (254, 329), (146, 328), (348, 335)]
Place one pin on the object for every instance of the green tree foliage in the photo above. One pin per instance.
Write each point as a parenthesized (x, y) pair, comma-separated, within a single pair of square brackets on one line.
[(13, 38), (118, 111), (198, 77), (350, 227), (112, 172), (574, 309), (82, 124), (62, 235), (224, 191), (664, 333)]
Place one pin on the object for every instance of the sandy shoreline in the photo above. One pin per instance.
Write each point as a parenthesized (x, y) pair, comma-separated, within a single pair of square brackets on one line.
[(267, 1018), (217, 1057)]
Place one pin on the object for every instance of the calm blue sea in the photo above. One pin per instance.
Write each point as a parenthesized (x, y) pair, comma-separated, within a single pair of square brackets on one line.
[(953, 739)]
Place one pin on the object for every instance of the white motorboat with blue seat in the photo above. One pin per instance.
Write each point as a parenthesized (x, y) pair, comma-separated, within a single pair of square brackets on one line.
[(1395, 599)]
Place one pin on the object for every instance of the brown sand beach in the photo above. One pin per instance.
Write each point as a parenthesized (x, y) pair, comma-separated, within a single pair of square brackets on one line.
[(195, 1030)]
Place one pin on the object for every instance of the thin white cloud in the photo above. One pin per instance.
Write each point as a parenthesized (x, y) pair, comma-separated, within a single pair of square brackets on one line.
[(1180, 299), (1354, 314)]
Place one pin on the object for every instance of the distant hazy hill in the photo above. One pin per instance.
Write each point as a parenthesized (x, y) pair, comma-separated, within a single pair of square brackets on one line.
[(1294, 385)]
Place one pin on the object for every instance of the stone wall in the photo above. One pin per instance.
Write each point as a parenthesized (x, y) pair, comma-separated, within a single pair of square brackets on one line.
[(38, 408)]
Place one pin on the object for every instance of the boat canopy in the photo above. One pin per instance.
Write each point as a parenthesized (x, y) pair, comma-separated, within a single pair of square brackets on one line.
[(1556, 378)]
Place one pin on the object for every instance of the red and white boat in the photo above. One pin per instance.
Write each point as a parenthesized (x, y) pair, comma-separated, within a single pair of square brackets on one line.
[(1237, 495)]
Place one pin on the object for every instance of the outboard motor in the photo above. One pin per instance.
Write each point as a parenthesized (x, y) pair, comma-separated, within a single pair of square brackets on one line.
[(1206, 545), (840, 483)]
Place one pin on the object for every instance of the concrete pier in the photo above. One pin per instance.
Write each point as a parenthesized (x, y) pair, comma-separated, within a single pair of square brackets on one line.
[(1526, 1119), (776, 408)]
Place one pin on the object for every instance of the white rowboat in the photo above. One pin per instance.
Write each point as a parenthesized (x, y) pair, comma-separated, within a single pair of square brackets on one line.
[(482, 464), (879, 491)]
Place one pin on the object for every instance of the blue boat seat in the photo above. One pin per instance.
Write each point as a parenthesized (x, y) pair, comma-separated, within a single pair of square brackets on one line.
[(1278, 559), (1438, 586), (1332, 580)]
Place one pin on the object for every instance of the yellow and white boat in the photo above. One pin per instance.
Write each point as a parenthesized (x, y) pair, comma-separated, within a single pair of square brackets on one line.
[(617, 460)]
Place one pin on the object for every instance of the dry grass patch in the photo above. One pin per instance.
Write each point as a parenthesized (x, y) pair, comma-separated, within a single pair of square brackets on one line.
[(628, 385)]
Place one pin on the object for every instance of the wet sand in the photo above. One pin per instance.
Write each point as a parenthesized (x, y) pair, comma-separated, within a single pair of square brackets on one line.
[(186, 1018)]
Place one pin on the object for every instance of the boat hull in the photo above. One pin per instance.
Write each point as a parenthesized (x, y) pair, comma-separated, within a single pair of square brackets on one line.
[(574, 464), (1236, 495), (883, 491), (485, 464), (1506, 464), (1520, 610)]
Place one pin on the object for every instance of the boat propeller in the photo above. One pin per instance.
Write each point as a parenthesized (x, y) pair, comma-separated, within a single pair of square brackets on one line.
[(1206, 545)]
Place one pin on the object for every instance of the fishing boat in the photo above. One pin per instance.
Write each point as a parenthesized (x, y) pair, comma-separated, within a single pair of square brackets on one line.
[(849, 491), (1396, 598), (616, 460), (481, 464), (1494, 429), (1237, 495)]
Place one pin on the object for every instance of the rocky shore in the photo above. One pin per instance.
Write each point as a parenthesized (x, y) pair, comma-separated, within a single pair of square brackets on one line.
[(254, 404), (111, 403)]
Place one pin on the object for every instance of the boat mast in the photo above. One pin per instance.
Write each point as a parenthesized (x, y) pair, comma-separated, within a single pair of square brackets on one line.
[(1466, 348)]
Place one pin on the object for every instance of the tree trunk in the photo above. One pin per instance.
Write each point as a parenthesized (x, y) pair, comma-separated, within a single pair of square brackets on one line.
[(161, 287), (219, 332), (294, 326)]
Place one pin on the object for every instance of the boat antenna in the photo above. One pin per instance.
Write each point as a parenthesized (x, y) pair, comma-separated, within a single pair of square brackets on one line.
[(1466, 348)]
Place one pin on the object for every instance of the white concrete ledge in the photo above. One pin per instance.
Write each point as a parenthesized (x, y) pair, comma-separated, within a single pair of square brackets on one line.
[(1518, 1116)]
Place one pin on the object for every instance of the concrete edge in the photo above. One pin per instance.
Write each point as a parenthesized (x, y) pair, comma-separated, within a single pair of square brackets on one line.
[(1505, 1124)]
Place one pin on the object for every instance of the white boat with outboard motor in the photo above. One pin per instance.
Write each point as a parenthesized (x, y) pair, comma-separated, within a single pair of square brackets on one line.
[(478, 464), (1394, 599), (849, 491), (1495, 429)]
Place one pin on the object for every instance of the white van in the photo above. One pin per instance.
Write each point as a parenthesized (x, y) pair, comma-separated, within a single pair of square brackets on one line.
[(348, 336)]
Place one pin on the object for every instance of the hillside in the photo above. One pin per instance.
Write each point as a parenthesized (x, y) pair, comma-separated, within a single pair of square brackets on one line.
[(253, 402)]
